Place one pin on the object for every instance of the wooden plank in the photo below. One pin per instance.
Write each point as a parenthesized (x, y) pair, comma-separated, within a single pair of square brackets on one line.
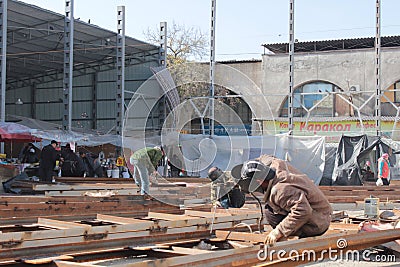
[(45, 260), (168, 251), (190, 180), (107, 232), (61, 224), (223, 216), (344, 226), (189, 251), (121, 192), (61, 263), (122, 220), (82, 186), (167, 216), (240, 244), (241, 236), (191, 221), (80, 245), (146, 248), (41, 235), (205, 214), (92, 193)]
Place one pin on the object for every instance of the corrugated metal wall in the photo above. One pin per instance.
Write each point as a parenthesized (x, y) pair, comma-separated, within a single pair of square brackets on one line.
[(93, 97)]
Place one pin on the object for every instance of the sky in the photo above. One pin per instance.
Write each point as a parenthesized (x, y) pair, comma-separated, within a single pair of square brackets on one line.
[(242, 26)]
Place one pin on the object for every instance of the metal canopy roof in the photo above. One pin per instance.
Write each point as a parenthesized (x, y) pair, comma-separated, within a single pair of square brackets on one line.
[(35, 43), (330, 45)]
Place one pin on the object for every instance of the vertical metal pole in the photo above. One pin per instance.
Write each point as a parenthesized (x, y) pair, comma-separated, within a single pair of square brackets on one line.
[(163, 62), (33, 101), (378, 69), (3, 45), (94, 100), (163, 44), (120, 98), (212, 64), (291, 67), (68, 63)]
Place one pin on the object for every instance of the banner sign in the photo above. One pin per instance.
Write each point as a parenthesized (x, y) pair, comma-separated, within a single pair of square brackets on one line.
[(332, 129)]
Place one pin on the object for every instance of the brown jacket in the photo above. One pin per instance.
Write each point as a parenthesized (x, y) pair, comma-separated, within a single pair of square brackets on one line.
[(294, 194)]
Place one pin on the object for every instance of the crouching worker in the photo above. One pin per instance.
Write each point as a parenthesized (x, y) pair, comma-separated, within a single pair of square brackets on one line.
[(295, 206), (224, 190)]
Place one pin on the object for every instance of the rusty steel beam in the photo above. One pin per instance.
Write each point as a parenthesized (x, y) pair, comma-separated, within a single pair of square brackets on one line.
[(249, 256)]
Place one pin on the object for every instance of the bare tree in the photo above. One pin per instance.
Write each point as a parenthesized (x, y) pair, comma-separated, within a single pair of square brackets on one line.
[(186, 44), (183, 43)]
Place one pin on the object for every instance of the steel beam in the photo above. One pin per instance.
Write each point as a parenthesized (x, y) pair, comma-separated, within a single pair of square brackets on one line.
[(94, 100), (68, 64), (249, 256), (291, 68), (378, 69), (120, 97), (163, 44), (212, 64), (3, 45)]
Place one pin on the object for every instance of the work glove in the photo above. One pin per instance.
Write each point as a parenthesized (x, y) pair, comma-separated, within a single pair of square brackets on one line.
[(272, 237)]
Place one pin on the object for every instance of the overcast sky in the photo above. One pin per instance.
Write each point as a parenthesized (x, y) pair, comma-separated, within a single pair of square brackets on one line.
[(243, 25)]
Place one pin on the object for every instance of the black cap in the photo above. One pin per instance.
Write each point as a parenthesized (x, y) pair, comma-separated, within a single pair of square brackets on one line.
[(53, 142)]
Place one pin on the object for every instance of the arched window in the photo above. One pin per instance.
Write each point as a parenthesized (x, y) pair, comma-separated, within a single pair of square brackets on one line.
[(316, 98)]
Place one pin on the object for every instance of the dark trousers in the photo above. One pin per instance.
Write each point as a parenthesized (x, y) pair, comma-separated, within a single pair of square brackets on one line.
[(385, 181), (46, 175), (274, 219)]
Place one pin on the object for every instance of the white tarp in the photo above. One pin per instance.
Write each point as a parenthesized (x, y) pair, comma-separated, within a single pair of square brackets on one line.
[(201, 152)]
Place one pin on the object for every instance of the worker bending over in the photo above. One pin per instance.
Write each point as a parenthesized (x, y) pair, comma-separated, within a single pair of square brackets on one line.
[(294, 205), (224, 189)]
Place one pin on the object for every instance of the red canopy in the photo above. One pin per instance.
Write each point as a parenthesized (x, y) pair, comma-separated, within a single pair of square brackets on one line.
[(13, 132)]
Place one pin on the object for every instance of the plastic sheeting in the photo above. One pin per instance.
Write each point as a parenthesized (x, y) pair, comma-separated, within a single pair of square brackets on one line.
[(82, 139), (347, 170), (50, 131), (352, 154), (10, 131), (200, 152)]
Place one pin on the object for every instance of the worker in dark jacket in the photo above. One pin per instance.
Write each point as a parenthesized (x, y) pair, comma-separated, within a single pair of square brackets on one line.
[(72, 164), (294, 204), (28, 154), (145, 161), (88, 164), (48, 159)]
